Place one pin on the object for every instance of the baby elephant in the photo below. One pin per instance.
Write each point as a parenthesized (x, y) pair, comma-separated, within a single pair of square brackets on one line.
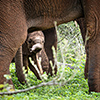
[(33, 48)]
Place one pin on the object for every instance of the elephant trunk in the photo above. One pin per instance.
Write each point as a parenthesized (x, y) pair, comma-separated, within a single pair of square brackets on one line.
[(36, 48)]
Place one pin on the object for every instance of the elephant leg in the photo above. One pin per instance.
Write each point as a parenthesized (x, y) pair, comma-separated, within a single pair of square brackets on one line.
[(50, 40), (92, 15), (13, 33), (25, 62), (9, 44), (82, 25), (7, 52), (19, 66), (6, 57), (94, 65)]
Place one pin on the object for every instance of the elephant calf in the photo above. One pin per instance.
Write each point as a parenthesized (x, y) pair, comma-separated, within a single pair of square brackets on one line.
[(32, 48)]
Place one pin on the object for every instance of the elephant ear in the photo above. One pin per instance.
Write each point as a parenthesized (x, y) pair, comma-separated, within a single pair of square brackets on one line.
[(19, 65), (25, 49)]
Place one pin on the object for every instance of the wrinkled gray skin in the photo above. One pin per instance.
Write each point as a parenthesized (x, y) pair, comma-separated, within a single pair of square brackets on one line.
[(18, 17)]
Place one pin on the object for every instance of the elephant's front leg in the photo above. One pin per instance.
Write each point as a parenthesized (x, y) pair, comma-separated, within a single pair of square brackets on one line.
[(92, 16), (9, 44), (8, 48), (13, 33), (94, 65), (6, 55), (19, 66)]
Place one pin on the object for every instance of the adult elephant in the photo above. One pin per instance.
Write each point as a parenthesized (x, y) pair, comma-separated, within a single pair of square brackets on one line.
[(18, 17)]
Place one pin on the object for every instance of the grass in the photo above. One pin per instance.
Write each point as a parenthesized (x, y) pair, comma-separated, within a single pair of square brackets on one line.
[(75, 89)]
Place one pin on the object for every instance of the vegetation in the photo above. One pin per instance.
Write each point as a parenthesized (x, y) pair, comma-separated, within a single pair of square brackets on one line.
[(70, 76)]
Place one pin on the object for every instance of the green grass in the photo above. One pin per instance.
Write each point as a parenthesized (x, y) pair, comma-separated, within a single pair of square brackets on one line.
[(75, 89)]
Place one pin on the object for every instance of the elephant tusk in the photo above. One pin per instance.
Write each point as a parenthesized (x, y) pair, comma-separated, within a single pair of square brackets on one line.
[(39, 65)]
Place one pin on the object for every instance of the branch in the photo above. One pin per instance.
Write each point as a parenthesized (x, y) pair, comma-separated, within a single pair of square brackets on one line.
[(53, 82), (33, 87)]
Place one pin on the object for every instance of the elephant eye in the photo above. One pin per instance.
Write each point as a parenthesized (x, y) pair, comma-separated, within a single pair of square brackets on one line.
[(30, 40), (43, 41)]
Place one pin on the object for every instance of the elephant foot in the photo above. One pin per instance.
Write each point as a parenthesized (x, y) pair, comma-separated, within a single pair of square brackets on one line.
[(94, 86), (21, 78), (94, 81), (4, 80)]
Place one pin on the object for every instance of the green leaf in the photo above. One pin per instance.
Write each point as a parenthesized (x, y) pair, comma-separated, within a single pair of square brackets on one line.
[(7, 76), (1, 85)]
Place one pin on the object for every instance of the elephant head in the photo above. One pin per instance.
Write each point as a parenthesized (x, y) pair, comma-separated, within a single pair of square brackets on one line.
[(35, 42)]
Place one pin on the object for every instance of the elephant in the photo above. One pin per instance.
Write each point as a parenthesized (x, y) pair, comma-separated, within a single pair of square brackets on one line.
[(41, 48), (32, 48), (22, 16)]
